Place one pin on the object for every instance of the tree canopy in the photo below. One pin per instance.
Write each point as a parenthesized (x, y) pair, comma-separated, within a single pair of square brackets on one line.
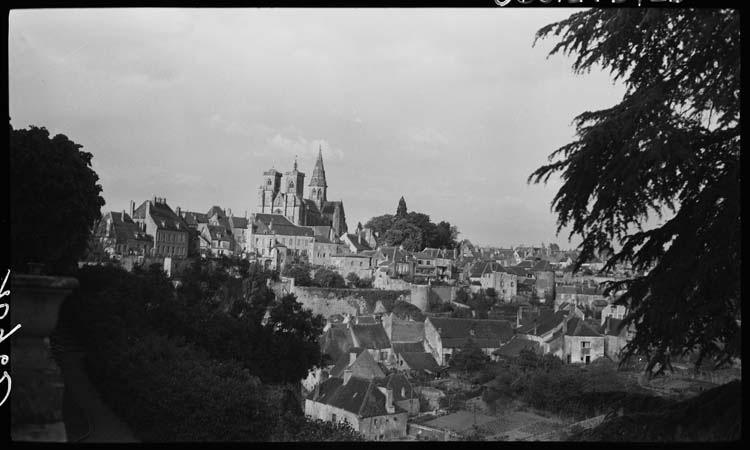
[(413, 230), (54, 200), (672, 145)]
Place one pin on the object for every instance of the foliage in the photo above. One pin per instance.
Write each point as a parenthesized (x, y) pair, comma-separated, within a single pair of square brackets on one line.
[(481, 303), (352, 278), (176, 368), (300, 272), (168, 391), (55, 200), (715, 415), (401, 210), (406, 234), (413, 230), (292, 428), (469, 358), (364, 283), (671, 145), (329, 279), (380, 225), (291, 347)]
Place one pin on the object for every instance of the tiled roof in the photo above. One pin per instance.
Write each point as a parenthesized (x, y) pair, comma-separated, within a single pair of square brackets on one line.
[(162, 215), (515, 270), (123, 228), (322, 239), (407, 331), (402, 389), (420, 361), (514, 347), (278, 219), (358, 396), (371, 336), (577, 327), (336, 341), (329, 207), (566, 290), (542, 266), (194, 218), (218, 232), (546, 321), (358, 246), (239, 222), (457, 330), (407, 347), (364, 366), (278, 224), (366, 320)]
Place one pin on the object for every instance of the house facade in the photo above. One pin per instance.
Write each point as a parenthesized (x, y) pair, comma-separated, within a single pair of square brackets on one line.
[(169, 231)]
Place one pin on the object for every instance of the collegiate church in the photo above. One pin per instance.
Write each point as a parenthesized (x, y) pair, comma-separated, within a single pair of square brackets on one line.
[(284, 195)]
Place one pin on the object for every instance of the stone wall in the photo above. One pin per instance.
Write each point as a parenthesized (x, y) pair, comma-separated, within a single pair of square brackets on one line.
[(329, 301)]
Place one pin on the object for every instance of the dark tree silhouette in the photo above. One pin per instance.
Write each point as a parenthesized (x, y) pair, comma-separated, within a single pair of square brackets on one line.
[(401, 210), (671, 145), (54, 200)]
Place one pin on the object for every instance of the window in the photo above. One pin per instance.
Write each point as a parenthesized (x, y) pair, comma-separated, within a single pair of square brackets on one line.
[(333, 418), (585, 344)]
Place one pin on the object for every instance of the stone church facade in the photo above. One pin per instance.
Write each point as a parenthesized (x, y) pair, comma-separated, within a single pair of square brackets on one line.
[(283, 194)]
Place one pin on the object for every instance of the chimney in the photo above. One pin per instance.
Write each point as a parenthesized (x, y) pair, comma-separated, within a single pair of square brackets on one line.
[(388, 392), (178, 210), (347, 375), (123, 215), (229, 212), (132, 208), (148, 208)]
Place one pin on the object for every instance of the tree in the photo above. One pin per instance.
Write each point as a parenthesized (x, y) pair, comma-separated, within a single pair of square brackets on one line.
[(54, 200), (380, 225), (481, 303), (404, 233), (329, 279), (401, 210), (672, 145), (469, 358), (292, 340), (445, 236), (300, 273), (352, 278)]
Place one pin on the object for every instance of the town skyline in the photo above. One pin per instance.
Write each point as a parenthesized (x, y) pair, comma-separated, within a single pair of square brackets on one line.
[(196, 108)]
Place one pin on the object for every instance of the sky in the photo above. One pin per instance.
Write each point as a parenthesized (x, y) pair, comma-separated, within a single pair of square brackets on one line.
[(451, 108)]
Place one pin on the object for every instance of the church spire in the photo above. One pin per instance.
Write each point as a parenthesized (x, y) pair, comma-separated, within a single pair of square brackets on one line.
[(318, 185)]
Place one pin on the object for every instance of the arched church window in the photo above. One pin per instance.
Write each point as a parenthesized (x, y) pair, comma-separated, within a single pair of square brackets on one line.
[(268, 182), (291, 184)]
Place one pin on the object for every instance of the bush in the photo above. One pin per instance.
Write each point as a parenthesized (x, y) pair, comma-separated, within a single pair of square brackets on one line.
[(329, 279), (169, 391)]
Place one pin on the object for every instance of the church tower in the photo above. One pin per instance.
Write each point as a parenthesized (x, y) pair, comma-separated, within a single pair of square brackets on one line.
[(318, 186), (268, 190)]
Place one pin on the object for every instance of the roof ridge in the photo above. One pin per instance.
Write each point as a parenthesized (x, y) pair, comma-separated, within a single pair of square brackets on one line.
[(364, 398)]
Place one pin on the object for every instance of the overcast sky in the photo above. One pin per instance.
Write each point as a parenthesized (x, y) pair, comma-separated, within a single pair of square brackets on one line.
[(453, 109)]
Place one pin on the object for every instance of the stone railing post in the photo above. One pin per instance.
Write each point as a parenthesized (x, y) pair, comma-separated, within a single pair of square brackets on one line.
[(37, 389)]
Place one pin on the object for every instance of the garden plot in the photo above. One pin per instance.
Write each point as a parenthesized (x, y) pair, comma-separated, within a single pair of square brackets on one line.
[(460, 421)]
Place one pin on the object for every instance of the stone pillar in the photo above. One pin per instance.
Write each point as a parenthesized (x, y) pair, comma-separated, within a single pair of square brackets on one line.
[(37, 388)]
